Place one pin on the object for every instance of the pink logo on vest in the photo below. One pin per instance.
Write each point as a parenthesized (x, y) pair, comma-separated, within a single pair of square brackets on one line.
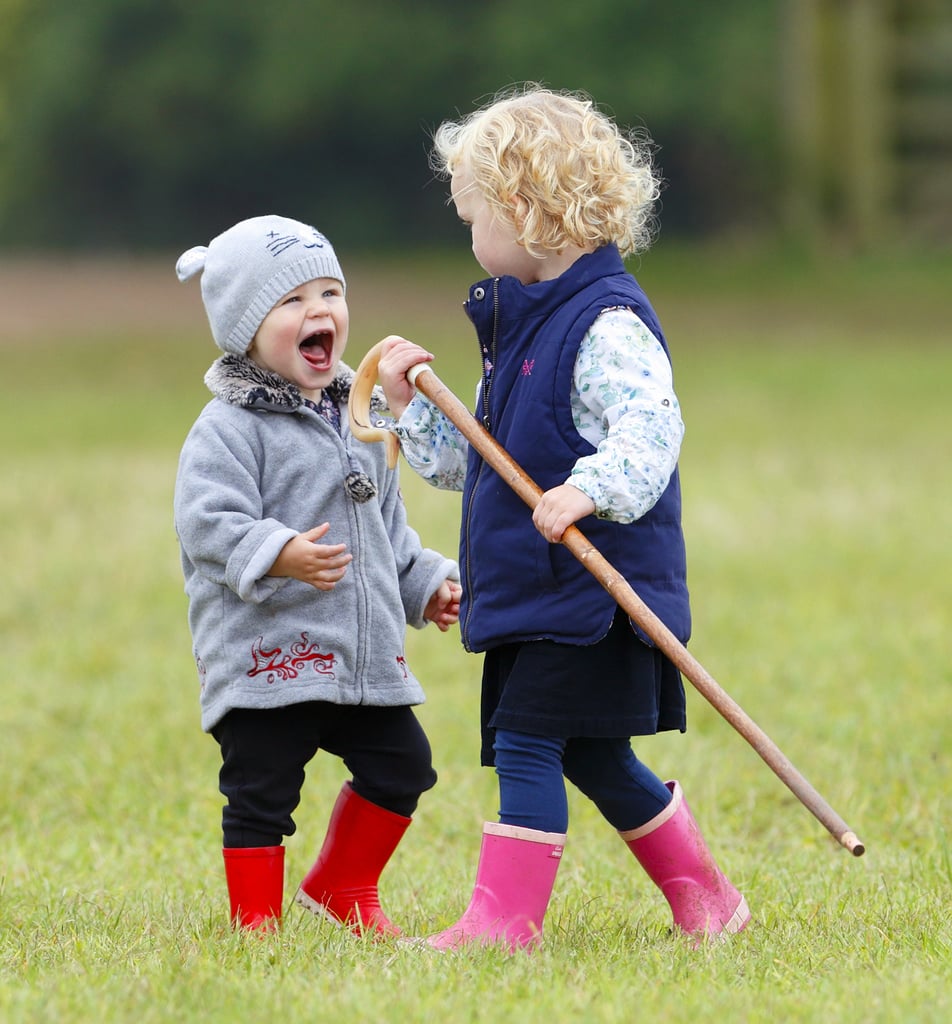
[(527, 365)]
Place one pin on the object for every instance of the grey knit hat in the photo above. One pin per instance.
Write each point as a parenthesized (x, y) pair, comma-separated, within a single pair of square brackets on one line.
[(249, 267)]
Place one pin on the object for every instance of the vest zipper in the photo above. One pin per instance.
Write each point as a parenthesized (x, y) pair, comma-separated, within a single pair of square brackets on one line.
[(466, 572), (489, 359), (489, 362)]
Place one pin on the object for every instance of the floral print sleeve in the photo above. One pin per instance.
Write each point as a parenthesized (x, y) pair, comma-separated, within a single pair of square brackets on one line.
[(432, 445), (625, 405)]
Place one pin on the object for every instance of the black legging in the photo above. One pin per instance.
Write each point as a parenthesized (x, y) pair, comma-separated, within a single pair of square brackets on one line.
[(264, 753)]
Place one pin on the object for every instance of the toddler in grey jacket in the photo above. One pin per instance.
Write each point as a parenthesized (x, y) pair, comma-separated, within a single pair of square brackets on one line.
[(302, 574)]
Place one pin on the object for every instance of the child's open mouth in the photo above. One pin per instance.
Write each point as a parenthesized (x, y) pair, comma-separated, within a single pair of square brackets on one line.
[(317, 350)]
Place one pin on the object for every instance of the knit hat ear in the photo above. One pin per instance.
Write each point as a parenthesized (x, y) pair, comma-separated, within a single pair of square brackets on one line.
[(246, 269), (191, 262)]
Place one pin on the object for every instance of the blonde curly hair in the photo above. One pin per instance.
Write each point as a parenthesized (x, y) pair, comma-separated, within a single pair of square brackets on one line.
[(584, 180)]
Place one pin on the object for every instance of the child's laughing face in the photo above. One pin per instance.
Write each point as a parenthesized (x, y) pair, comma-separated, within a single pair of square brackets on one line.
[(304, 336)]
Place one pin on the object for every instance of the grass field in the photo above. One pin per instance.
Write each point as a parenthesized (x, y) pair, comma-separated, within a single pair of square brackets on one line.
[(818, 512)]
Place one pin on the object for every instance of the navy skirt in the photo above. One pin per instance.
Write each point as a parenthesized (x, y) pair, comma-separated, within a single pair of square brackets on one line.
[(617, 687)]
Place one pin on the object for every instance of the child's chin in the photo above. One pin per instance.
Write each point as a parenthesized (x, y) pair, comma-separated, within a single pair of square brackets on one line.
[(316, 378)]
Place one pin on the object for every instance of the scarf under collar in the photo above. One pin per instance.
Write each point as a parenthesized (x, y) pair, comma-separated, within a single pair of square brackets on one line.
[(239, 381)]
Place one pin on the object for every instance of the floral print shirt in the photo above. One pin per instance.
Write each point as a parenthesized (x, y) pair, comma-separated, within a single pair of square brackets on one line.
[(623, 403)]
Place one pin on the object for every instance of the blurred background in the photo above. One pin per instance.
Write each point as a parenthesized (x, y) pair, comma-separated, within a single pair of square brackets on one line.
[(802, 275), (153, 124)]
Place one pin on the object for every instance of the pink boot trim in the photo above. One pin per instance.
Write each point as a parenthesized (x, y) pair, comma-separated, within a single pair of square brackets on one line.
[(672, 851), (514, 880), (255, 878), (342, 884)]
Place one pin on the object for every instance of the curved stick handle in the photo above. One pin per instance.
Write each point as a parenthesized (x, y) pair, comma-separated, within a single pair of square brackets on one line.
[(358, 406)]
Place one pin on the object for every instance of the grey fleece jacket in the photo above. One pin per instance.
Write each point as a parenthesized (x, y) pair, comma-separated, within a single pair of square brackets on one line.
[(258, 467)]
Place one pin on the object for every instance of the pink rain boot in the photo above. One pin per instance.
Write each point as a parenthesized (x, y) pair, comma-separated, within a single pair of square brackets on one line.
[(670, 848), (342, 884), (514, 880), (255, 877)]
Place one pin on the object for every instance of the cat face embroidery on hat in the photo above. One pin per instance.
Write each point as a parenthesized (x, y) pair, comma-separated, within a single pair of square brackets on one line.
[(278, 242)]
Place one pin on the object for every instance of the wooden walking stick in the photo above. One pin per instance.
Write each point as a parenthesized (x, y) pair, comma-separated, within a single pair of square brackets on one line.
[(427, 382)]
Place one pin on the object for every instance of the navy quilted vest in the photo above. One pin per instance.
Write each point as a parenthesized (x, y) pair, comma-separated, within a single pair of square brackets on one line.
[(517, 586)]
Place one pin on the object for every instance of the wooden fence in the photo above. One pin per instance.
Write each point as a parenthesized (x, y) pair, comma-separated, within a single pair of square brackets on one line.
[(867, 99)]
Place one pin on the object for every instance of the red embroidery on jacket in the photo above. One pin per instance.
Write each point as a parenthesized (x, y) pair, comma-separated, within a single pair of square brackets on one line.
[(302, 653), (402, 662)]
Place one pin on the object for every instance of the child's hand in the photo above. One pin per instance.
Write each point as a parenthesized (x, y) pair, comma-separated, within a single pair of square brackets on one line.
[(397, 356), (321, 565), (443, 607), (558, 509)]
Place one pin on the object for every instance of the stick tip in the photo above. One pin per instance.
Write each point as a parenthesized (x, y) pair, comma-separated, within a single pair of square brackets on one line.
[(852, 843)]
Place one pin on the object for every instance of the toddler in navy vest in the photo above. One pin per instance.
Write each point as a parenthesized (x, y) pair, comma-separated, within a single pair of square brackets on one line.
[(576, 383)]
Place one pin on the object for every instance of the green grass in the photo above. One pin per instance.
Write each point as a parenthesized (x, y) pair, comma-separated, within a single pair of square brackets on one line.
[(818, 507)]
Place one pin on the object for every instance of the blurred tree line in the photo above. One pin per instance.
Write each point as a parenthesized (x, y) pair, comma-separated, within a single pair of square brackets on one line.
[(156, 123), (148, 123)]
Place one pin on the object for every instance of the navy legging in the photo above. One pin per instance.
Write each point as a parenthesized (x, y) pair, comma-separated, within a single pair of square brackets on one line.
[(532, 789)]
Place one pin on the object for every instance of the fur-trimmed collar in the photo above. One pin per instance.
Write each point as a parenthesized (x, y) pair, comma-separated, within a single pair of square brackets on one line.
[(240, 381)]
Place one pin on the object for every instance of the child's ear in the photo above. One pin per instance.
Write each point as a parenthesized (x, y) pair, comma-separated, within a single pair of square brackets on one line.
[(520, 210)]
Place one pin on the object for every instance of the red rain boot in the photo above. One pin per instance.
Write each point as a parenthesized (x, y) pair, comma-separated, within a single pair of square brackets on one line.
[(342, 884), (514, 880), (255, 877), (672, 851)]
